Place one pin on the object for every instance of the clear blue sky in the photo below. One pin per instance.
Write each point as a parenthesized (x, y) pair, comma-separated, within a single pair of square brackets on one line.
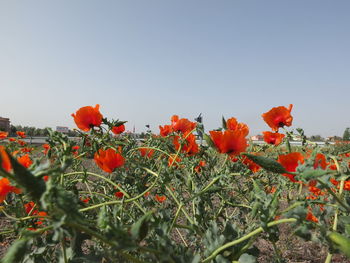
[(144, 61)]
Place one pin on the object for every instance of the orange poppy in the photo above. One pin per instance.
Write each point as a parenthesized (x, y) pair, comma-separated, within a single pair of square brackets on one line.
[(270, 189), (27, 150), (336, 183), (198, 168), (160, 198), (316, 191), (22, 143), (172, 161), (21, 134), (5, 160), (250, 164), (311, 217), (108, 160), (25, 160), (290, 162), (75, 149), (118, 129), (12, 139), (278, 117), (230, 142), (46, 148), (88, 117), (6, 188), (232, 124), (146, 152), (274, 138), (320, 161), (3, 135), (182, 125), (119, 195), (190, 146), (166, 130), (347, 185), (30, 209)]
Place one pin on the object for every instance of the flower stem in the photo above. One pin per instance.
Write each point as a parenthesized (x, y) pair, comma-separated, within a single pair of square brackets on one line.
[(249, 235)]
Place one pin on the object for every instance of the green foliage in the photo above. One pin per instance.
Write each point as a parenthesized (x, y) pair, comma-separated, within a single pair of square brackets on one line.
[(149, 211), (346, 134), (267, 163)]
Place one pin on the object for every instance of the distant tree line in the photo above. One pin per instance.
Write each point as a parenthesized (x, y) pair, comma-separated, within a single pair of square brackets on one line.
[(346, 135), (35, 132), (319, 138)]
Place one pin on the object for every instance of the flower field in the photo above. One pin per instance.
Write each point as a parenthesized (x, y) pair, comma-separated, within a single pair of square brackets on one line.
[(182, 195)]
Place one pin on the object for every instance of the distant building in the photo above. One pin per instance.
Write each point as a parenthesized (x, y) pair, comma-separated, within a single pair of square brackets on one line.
[(257, 138), (333, 139), (62, 129), (5, 124)]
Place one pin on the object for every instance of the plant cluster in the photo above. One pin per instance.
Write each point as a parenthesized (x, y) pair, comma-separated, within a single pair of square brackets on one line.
[(180, 196)]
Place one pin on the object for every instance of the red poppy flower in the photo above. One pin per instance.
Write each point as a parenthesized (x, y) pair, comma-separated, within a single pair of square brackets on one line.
[(290, 162), (332, 165), (46, 148), (233, 125), (22, 143), (118, 129), (230, 142), (347, 185), (270, 189), (86, 200), (29, 208), (21, 134), (12, 139), (3, 135), (250, 164), (190, 146), (316, 191), (274, 138), (108, 160), (146, 152), (311, 217), (88, 117), (6, 188), (166, 130), (75, 149), (160, 198), (25, 160), (27, 150), (173, 162), (198, 168), (320, 161), (5, 160), (182, 125), (278, 117), (119, 195)]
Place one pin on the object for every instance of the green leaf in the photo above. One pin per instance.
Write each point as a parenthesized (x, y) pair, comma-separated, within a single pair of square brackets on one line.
[(25, 179), (340, 242), (16, 252), (102, 220), (304, 232), (246, 258), (139, 230), (312, 174), (224, 123), (208, 140), (267, 163)]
